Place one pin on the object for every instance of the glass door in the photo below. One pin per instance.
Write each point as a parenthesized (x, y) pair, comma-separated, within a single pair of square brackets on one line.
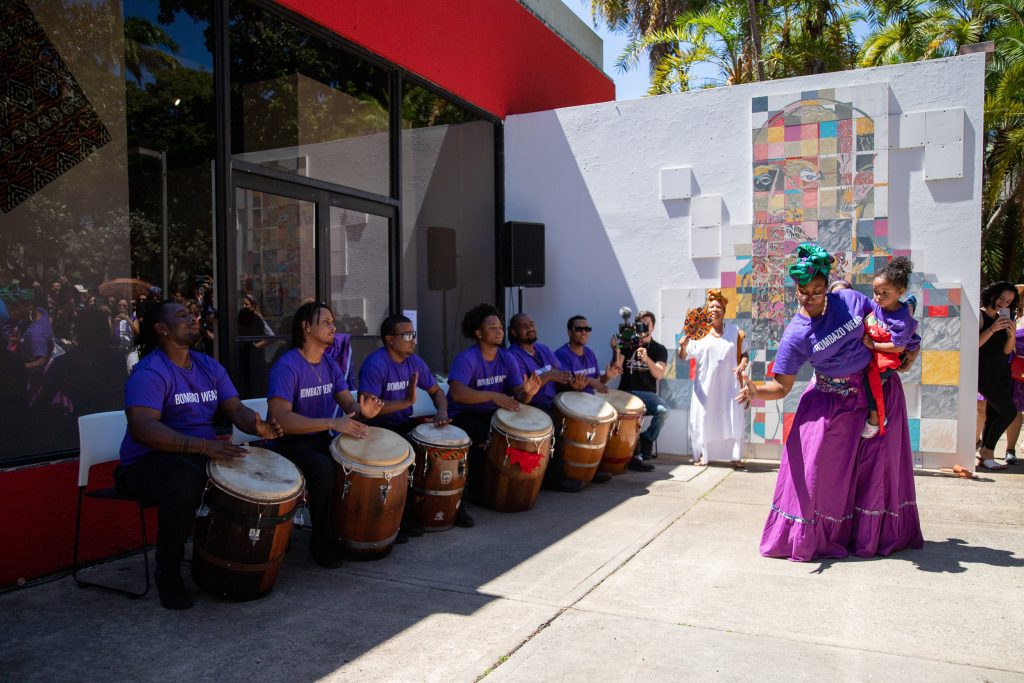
[(296, 244)]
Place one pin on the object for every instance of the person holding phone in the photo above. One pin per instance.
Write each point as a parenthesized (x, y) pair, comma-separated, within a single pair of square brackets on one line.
[(996, 341)]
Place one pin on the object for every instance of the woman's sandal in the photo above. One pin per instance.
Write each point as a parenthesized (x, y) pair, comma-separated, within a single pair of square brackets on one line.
[(990, 463)]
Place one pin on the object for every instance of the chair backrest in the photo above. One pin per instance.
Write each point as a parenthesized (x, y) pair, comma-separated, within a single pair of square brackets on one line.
[(424, 405), (260, 406), (99, 438)]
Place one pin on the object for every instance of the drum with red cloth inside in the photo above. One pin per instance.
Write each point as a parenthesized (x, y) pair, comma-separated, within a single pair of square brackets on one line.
[(584, 421), (244, 524), (517, 455), (440, 477)]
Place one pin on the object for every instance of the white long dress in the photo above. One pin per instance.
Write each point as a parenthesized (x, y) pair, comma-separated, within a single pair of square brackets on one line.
[(716, 420)]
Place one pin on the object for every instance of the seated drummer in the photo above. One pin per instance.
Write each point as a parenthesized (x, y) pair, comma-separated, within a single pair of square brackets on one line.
[(392, 374), (482, 379), (305, 390), (537, 359), (170, 400), (577, 358)]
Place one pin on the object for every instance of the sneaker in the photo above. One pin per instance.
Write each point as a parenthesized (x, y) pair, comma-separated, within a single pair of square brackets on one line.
[(569, 486), (637, 464), (1011, 457), (172, 590), (463, 519), (601, 478), (869, 431), (647, 449), (326, 554)]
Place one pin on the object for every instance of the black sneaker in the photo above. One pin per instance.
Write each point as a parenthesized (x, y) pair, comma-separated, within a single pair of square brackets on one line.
[(637, 464), (172, 590), (326, 554), (647, 449), (463, 519), (601, 478), (570, 486)]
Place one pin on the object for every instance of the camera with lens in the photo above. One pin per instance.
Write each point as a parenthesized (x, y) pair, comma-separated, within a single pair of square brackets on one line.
[(630, 333)]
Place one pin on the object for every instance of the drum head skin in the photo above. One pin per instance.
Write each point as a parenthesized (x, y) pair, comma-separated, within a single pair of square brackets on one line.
[(262, 476), (527, 421), (380, 448), (586, 407), (624, 402), (448, 436)]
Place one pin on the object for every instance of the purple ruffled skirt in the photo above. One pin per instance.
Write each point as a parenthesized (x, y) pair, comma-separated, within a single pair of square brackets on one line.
[(885, 515), (812, 509)]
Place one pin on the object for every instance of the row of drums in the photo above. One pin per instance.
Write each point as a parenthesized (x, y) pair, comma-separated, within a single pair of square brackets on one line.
[(245, 520)]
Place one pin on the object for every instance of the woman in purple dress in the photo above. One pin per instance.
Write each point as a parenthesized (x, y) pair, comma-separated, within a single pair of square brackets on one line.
[(812, 509)]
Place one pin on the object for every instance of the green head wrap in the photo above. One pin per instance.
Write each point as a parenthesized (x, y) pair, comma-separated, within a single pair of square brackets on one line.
[(14, 294), (811, 260)]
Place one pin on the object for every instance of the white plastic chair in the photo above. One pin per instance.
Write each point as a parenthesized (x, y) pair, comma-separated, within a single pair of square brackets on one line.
[(100, 438), (260, 406)]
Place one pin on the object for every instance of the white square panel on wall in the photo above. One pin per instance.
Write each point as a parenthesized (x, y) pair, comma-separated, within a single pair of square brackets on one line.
[(706, 211), (705, 241), (676, 182), (944, 162), (911, 130), (944, 126)]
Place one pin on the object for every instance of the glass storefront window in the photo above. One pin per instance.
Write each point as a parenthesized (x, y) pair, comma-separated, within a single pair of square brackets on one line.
[(301, 104), (447, 219)]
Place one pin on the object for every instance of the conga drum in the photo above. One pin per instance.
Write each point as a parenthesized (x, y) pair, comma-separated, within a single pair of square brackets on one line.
[(516, 457), (440, 476), (583, 422), (373, 479), (244, 524), (625, 433)]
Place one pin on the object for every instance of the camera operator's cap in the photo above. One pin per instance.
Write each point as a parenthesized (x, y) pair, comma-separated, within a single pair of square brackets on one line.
[(646, 314)]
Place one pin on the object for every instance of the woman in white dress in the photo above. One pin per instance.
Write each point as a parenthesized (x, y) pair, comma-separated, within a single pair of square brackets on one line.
[(716, 420)]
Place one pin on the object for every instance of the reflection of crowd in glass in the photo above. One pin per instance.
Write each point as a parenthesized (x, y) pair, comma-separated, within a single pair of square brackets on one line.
[(67, 351)]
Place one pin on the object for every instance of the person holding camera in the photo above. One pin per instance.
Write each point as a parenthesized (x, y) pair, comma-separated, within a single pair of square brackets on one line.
[(643, 364), (997, 339)]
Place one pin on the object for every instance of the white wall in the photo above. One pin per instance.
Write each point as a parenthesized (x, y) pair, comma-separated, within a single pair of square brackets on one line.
[(591, 175)]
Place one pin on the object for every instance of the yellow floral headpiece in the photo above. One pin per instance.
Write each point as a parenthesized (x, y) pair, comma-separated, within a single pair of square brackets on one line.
[(715, 294)]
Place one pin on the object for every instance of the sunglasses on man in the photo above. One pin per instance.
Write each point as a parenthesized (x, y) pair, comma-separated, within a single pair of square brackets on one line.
[(580, 328)]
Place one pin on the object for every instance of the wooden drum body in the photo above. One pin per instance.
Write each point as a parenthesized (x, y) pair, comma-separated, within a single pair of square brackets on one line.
[(440, 477), (244, 524), (626, 432), (583, 422), (516, 458), (369, 496)]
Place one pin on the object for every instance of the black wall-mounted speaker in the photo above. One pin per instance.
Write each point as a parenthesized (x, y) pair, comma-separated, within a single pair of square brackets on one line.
[(524, 254), (441, 272)]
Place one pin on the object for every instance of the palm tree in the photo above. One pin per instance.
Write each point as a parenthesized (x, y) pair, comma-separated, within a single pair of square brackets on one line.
[(640, 18), (142, 53), (910, 30)]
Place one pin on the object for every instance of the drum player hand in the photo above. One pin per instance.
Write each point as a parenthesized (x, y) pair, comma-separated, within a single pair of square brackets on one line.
[(410, 394), (531, 385), (370, 405), (441, 419), (578, 381), (215, 449), (268, 429), (506, 402), (346, 425)]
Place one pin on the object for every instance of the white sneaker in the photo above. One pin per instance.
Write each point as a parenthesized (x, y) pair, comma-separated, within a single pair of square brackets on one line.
[(869, 431)]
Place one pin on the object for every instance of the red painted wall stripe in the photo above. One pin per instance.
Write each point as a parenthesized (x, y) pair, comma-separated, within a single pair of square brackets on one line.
[(493, 53)]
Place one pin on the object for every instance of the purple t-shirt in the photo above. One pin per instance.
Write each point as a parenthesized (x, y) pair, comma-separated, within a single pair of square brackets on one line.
[(471, 369), (539, 363), (382, 377), (900, 324), (309, 388), (585, 364), (340, 351), (187, 399), (832, 342), (38, 338)]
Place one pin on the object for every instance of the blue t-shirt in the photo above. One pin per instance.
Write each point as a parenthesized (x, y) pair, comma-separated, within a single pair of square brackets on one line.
[(382, 377), (542, 361), (585, 365), (309, 388), (187, 399), (832, 342), (502, 375)]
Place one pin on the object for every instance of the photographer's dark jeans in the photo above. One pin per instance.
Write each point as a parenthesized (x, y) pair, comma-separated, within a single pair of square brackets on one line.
[(175, 482), (657, 409)]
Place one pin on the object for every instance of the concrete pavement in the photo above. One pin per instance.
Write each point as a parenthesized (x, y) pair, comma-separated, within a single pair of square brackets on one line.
[(649, 577)]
